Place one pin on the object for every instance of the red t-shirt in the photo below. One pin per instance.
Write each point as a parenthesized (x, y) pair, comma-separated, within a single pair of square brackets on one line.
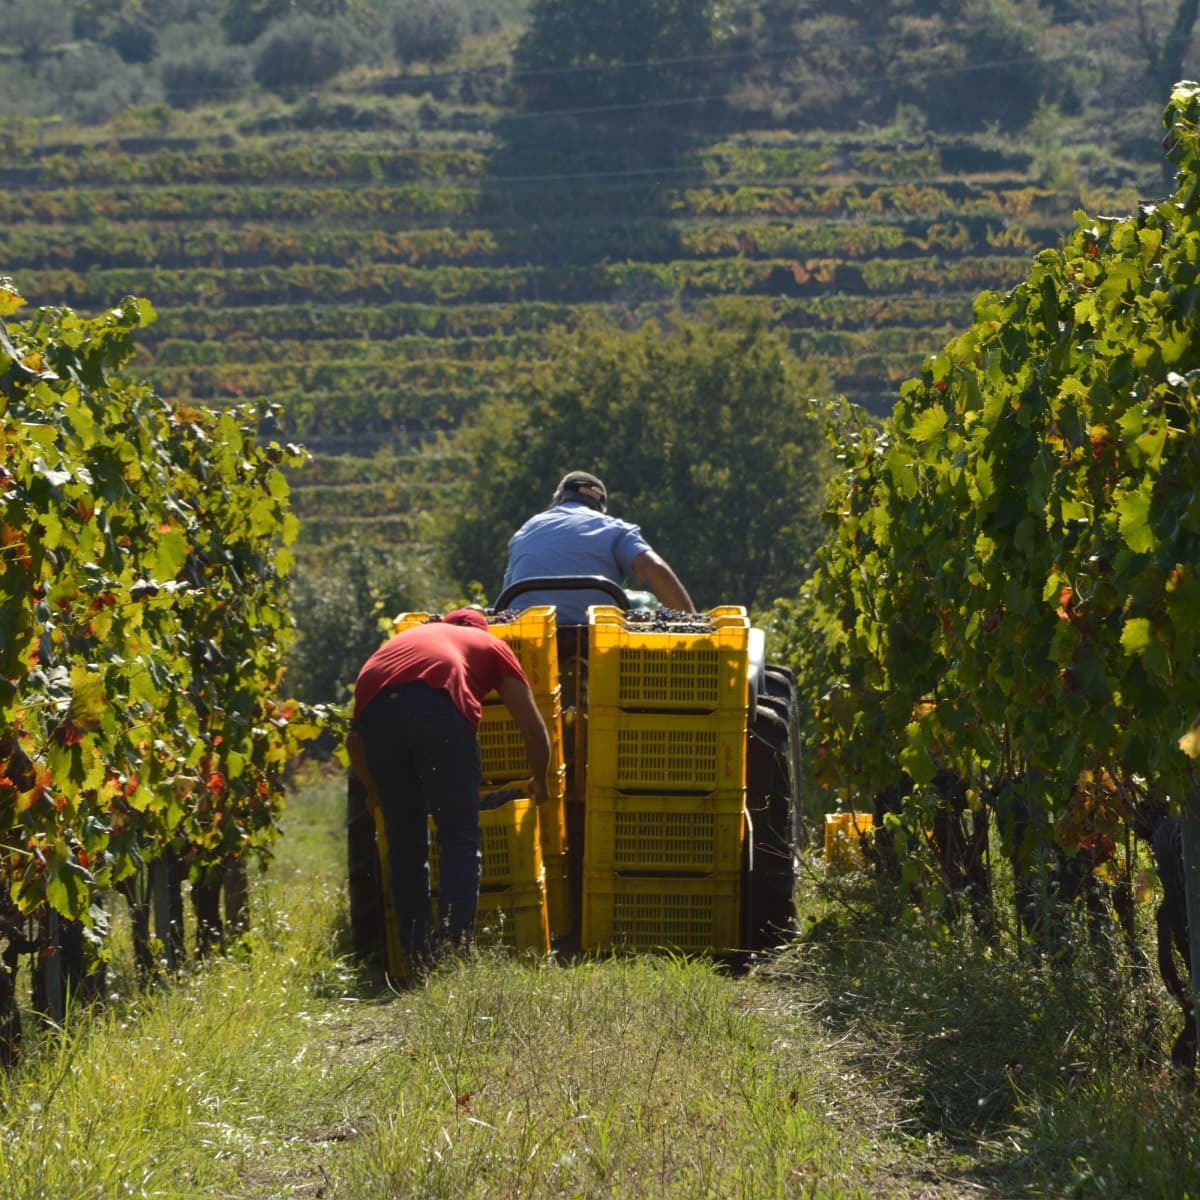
[(461, 660)]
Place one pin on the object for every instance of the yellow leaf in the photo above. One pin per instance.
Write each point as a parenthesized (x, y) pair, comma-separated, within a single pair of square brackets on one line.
[(10, 298), (1190, 742)]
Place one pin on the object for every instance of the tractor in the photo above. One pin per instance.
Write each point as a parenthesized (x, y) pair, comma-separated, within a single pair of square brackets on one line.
[(676, 814)]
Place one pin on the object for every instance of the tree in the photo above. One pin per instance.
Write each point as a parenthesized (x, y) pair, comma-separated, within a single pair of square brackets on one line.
[(846, 62), (340, 603), (34, 27), (203, 74), (304, 50), (1168, 50), (589, 53), (703, 436), (244, 20), (428, 30)]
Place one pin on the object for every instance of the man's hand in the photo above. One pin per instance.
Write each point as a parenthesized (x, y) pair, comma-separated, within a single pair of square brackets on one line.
[(519, 701)]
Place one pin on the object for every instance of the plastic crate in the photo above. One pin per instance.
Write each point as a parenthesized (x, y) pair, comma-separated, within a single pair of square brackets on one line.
[(641, 912), (843, 851), (649, 752), (633, 666), (513, 918), (552, 816), (510, 846), (407, 620), (501, 746), (532, 636), (558, 898), (393, 953), (664, 834)]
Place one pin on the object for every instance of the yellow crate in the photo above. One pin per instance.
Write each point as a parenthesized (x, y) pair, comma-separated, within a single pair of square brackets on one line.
[(646, 912), (664, 834), (510, 846), (552, 815), (843, 852), (531, 636), (501, 746), (407, 620), (633, 666), (558, 899), (704, 752), (393, 953), (513, 918)]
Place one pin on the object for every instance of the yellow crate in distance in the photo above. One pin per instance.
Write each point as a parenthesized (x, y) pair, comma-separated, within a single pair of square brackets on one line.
[(843, 851), (510, 846), (632, 665)]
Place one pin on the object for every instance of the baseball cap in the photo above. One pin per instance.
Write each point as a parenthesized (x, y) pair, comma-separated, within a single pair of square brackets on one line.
[(466, 616), (584, 486)]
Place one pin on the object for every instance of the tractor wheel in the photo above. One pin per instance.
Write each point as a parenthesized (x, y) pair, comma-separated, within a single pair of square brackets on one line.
[(780, 693), (367, 929), (773, 805)]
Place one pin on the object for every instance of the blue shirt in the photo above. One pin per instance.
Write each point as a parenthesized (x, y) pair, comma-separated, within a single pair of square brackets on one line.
[(572, 539)]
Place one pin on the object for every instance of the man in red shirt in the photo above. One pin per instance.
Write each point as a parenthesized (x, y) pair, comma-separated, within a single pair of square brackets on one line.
[(417, 707)]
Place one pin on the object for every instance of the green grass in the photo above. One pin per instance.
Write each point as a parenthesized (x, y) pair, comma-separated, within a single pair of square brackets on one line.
[(279, 1071), (869, 1059), (1043, 1074)]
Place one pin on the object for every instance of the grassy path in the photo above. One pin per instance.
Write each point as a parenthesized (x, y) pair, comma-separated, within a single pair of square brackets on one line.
[(278, 1072)]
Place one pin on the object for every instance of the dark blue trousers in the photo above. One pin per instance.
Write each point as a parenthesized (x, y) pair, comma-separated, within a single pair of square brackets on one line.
[(424, 759)]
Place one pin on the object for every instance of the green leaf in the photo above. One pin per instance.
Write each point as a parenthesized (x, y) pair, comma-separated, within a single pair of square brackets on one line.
[(170, 553), (915, 757), (928, 425), (1135, 635), (1133, 509), (89, 698), (67, 888)]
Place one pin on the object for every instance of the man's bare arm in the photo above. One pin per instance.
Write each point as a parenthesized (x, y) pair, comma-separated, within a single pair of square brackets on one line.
[(653, 569), (519, 701)]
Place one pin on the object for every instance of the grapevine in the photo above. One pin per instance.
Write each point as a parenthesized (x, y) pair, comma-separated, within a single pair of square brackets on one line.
[(1008, 592), (144, 550)]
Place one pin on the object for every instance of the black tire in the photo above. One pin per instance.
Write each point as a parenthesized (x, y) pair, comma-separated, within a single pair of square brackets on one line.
[(367, 927), (779, 685), (772, 803)]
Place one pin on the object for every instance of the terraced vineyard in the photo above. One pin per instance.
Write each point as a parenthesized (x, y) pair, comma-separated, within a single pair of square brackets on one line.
[(381, 285)]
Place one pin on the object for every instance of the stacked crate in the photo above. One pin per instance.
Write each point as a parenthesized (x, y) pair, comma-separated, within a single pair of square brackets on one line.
[(532, 636), (516, 883), (666, 777), (512, 897)]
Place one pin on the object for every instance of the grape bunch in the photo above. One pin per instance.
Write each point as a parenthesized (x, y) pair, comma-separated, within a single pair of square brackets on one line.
[(669, 620)]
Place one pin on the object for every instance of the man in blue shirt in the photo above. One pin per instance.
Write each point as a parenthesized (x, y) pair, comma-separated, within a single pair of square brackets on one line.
[(576, 536)]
